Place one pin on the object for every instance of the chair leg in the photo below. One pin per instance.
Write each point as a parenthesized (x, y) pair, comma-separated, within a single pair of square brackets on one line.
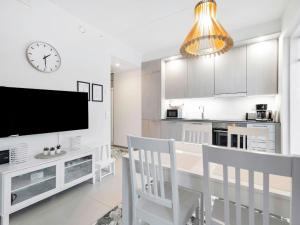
[(114, 168), (100, 174), (200, 211)]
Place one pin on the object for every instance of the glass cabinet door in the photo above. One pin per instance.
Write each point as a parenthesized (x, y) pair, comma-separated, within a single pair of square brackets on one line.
[(78, 168), (26, 186)]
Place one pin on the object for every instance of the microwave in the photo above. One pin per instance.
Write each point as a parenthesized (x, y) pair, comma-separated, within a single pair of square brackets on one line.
[(174, 113)]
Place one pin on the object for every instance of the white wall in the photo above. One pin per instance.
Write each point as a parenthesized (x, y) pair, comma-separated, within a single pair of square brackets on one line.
[(290, 21), (230, 108), (127, 106), (85, 56), (295, 93)]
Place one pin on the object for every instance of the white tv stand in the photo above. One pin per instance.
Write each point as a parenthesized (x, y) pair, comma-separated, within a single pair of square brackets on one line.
[(27, 183)]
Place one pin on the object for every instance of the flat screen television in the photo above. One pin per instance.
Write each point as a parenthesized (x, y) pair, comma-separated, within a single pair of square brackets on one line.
[(33, 111)]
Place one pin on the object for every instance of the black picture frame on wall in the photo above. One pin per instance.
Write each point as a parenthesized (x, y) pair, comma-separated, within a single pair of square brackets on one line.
[(97, 92), (83, 86)]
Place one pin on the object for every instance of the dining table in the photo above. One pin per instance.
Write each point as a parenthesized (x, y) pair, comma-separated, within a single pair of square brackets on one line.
[(189, 163)]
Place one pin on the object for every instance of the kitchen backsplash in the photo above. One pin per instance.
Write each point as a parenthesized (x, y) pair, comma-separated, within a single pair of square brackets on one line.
[(229, 108)]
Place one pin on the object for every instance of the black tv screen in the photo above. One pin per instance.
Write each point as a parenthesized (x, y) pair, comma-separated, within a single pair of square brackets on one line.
[(33, 111)]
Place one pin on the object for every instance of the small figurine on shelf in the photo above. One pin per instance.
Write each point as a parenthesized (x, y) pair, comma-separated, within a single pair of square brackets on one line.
[(58, 149), (46, 151), (52, 151)]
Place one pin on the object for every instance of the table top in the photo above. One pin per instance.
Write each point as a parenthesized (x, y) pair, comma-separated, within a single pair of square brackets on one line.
[(189, 159)]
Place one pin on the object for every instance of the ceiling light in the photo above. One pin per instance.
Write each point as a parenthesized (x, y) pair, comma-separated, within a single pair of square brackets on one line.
[(207, 36), (117, 64)]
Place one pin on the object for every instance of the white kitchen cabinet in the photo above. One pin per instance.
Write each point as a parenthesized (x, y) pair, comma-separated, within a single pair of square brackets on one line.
[(262, 68), (151, 90), (200, 77), (151, 128), (230, 72), (176, 78), (171, 130), (272, 144)]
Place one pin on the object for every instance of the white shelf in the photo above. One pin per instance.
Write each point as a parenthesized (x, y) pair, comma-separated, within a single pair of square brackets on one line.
[(33, 162), (77, 164), (23, 184)]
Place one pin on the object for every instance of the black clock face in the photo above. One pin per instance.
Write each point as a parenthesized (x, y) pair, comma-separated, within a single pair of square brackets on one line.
[(43, 57)]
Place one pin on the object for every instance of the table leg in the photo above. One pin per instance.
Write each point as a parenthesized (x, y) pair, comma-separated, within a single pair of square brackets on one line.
[(126, 193)]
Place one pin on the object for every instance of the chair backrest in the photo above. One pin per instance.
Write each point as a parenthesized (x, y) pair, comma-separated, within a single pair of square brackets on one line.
[(145, 155), (244, 133), (267, 164), (104, 152), (197, 133)]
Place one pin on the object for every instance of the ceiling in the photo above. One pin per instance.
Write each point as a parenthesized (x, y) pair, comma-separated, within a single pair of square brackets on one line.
[(153, 25)]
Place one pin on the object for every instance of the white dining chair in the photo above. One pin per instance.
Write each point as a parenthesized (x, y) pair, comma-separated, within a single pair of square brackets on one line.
[(244, 133), (157, 199), (105, 164), (198, 133), (243, 210)]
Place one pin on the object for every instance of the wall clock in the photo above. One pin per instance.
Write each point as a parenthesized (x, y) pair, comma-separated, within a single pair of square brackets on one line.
[(43, 57)]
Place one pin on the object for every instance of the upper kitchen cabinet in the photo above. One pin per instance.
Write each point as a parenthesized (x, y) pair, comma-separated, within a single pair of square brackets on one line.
[(262, 68), (231, 72), (176, 78), (151, 90), (200, 77)]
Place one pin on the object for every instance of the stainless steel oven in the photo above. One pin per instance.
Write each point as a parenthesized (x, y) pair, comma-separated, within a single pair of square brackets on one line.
[(220, 134)]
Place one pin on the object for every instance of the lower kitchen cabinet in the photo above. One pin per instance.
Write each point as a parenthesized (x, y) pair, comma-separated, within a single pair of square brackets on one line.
[(171, 130), (272, 144), (151, 128)]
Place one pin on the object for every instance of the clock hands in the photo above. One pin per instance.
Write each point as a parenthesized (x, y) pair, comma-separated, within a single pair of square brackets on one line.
[(46, 56), (45, 59)]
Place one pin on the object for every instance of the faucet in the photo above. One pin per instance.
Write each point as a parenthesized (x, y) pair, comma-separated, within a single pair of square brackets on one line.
[(201, 108)]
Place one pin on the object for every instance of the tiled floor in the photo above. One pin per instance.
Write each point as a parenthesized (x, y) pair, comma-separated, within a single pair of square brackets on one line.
[(81, 205)]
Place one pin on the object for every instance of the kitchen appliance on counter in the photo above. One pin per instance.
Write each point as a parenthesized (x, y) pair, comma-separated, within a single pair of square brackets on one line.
[(251, 116), (262, 112), (220, 134), (174, 112)]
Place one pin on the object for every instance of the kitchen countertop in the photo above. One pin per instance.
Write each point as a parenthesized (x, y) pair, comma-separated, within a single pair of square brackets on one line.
[(218, 121)]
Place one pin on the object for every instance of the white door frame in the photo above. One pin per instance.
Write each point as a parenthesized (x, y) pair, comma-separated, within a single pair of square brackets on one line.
[(295, 92)]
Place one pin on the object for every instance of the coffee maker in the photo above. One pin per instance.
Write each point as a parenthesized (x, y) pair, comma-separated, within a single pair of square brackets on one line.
[(262, 113)]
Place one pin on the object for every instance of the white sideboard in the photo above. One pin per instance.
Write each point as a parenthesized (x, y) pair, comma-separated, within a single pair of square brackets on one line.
[(27, 183)]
